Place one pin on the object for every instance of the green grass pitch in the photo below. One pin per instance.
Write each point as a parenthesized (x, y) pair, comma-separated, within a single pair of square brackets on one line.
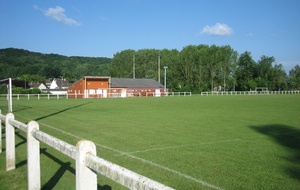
[(192, 142)]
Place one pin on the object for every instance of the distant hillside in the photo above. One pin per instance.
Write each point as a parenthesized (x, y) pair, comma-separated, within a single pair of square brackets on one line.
[(19, 63)]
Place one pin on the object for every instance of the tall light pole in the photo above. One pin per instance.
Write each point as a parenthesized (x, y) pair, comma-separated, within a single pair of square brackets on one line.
[(158, 69), (133, 66), (165, 82)]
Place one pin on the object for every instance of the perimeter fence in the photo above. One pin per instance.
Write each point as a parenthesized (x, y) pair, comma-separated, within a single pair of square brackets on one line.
[(248, 92), (95, 96)]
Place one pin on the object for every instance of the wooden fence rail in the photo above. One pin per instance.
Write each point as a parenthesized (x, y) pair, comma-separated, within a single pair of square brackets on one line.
[(88, 164)]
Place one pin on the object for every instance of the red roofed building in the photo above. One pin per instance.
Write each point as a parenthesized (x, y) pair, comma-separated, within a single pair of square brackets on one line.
[(104, 87)]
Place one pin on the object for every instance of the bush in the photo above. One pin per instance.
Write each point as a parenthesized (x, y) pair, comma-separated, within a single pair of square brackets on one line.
[(35, 91), (20, 90)]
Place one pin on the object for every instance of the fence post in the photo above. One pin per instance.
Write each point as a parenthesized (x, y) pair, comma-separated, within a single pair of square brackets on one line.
[(10, 143), (85, 177), (33, 157)]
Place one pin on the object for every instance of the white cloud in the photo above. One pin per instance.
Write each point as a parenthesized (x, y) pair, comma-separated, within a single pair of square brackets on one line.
[(217, 30), (58, 15)]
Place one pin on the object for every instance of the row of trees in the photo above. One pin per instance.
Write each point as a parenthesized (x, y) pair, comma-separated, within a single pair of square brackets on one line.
[(204, 68), (195, 68)]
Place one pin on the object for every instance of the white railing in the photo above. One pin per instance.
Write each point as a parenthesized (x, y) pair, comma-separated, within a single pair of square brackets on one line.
[(249, 92), (84, 153), (153, 94), (36, 96), (107, 95)]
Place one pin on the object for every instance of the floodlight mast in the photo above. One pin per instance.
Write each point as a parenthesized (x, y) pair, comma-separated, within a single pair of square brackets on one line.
[(158, 69), (165, 67)]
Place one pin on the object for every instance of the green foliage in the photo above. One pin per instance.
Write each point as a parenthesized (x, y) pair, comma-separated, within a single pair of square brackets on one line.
[(261, 74), (295, 78), (17, 63), (20, 90), (245, 72), (195, 68), (3, 88), (35, 91)]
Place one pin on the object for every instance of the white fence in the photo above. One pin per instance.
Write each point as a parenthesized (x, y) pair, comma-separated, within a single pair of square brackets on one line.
[(84, 153), (152, 94), (36, 96), (249, 92), (109, 95)]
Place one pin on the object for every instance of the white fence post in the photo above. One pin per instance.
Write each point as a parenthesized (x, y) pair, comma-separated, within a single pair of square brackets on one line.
[(10, 143), (85, 177), (33, 157)]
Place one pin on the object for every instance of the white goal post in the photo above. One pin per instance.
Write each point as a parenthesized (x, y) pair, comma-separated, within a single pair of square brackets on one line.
[(9, 93)]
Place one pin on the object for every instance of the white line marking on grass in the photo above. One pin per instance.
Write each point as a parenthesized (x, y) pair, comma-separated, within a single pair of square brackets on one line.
[(137, 158), (179, 146), (72, 135)]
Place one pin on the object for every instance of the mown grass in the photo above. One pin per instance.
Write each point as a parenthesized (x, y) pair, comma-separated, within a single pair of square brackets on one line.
[(227, 142)]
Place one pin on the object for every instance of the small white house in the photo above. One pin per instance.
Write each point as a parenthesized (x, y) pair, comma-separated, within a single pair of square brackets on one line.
[(40, 86)]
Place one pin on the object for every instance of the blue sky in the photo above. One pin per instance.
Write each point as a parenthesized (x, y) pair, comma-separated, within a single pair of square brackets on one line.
[(101, 28)]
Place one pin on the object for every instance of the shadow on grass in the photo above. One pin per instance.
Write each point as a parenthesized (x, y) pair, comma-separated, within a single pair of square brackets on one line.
[(21, 137), (65, 166), (17, 133), (3, 132), (288, 137), (61, 111), (20, 108)]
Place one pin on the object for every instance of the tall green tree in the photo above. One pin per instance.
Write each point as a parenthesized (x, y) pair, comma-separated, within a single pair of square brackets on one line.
[(201, 65), (264, 72), (279, 80), (122, 64), (213, 64), (228, 64), (189, 57), (147, 63), (245, 72), (294, 78)]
